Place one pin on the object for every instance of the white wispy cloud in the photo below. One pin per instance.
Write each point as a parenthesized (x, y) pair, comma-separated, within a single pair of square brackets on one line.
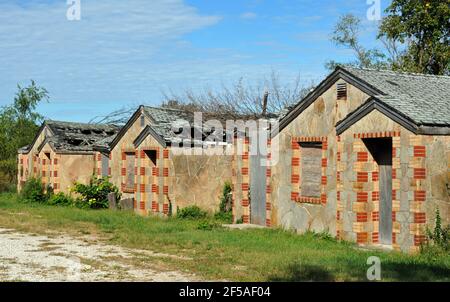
[(248, 15)]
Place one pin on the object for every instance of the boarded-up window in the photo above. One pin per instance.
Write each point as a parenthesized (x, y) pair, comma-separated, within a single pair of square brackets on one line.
[(105, 165), (311, 169), (129, 164)]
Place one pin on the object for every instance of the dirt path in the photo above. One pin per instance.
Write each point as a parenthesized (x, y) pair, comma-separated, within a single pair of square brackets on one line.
[(29, 257)]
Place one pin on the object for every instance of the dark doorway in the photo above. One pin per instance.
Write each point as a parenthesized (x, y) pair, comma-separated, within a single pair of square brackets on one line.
[(381, 150), (151, 154)]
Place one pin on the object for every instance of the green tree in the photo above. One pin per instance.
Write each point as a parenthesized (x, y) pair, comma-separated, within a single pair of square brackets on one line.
[(19, 123), (346, 34), (415, 35), (424, 27)]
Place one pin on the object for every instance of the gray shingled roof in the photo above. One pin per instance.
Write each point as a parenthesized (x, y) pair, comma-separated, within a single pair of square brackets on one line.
[(425, 99), (164, 119), (79, 137)]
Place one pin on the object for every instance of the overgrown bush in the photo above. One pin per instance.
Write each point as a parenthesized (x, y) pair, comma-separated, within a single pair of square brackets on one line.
[(226, 217), (225, 199), (438, 240), (95, 194), (33, 191), (191, 212), (225, 211), (206, 225), (60, 199)]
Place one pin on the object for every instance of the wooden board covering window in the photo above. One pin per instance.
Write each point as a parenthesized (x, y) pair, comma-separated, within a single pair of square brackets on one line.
[(129, 163), (311, 169)]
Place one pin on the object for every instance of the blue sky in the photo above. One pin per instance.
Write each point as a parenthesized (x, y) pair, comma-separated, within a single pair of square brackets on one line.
[(125, 53)]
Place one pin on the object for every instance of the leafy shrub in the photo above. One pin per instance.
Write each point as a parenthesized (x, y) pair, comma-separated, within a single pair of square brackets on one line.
[(191, 212), (206, 225), (33, 191), (226, 217), (240, 220), (60, 199), (225, 199), (438, 240), (95, 194)]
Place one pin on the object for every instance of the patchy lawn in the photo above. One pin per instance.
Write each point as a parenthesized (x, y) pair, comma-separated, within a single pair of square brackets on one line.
[(238, 255)]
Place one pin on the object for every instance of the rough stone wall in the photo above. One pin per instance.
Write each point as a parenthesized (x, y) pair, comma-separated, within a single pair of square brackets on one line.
[(315, 123), (75, 168), (198, 179)]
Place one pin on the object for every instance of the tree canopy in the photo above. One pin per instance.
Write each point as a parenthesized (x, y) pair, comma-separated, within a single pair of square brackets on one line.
[(420, 28), (19, 123)]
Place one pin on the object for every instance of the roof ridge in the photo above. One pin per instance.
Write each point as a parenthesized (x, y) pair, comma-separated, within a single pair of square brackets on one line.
[(400, 73), (79, 123), (164, 108)]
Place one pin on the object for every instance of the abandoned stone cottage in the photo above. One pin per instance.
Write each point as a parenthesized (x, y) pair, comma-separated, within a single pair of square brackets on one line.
[(365, 156), (62, 153), (146, 160), (140, 158)]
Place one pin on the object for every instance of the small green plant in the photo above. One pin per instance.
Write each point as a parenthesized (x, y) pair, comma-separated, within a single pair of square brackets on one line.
[(95, 194), (33, 191), (206, 225), (240, 220), (438, 240), (60, 199), (224, 217), (226, 198), (191, 212)]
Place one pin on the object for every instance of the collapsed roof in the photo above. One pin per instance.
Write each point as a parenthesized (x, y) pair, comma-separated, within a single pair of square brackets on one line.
[(67, 137)]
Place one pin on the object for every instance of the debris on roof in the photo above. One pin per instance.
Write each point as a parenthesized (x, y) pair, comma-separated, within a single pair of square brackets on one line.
[(78, 137)]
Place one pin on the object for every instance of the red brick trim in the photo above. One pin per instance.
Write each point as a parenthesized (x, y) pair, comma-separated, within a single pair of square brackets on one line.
[(377, 134), (303, 199), (155, 206), (420, 218), (375, 237), (376, 216), (362, 196), (419, 151), (309, 139), (362, 177), (419, 239), (361, 217), (375, 176), (375, 195), (361, 237), (419, 173), (362, 156), (420, 195)]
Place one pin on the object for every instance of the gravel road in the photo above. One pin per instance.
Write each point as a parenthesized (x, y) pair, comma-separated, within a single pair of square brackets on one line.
[(31, 257)]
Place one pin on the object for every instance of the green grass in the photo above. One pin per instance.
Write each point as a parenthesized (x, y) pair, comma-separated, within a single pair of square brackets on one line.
[(240, 255)]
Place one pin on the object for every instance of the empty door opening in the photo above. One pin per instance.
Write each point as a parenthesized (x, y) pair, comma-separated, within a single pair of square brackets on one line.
[(381, 151)]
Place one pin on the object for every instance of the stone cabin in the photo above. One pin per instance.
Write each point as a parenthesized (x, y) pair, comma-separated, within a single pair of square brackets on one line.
[(62, 153), (146, 161), (365, 156)]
